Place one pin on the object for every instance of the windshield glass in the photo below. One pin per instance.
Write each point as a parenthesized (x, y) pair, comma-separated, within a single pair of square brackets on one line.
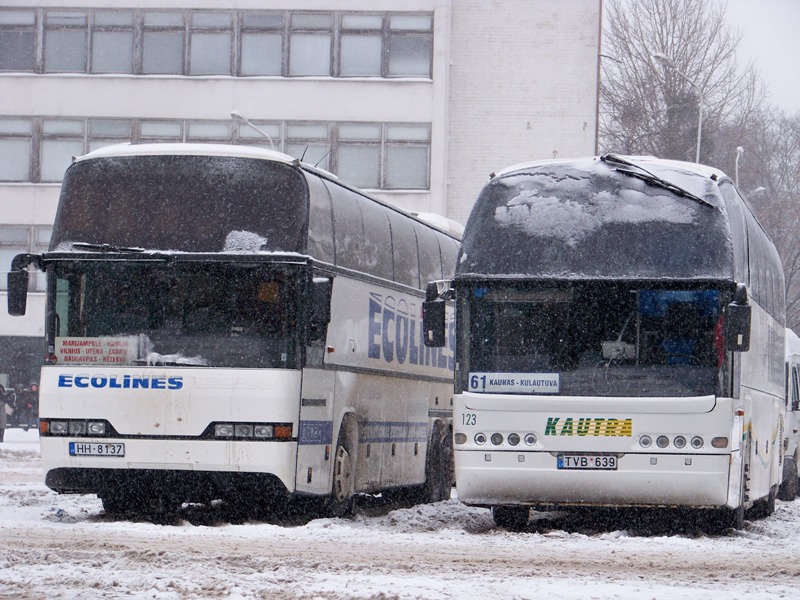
[(582, 220), (182, 313), (594, 339), (188, 203)]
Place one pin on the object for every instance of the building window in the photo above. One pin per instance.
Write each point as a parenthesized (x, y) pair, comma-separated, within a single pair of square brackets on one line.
[(407, 156), (161, 131), (410, 45), (17, 40), (262, 44), (112, 42), (65, 38), (105, 132), (361, 41), (61, 141), (16, 143), (163, 43), (217, 42), (359, 154), (211, 39), (310, 39), (21, 240), (367, 155), (308, 142)]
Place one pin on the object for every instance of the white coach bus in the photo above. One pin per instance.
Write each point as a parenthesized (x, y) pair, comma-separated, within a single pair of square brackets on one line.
[(227, 322), (619, 343)]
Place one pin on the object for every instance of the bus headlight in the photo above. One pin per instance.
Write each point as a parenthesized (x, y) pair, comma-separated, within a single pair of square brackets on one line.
[(513, 439), (244, 430), (96, 427), (662, 441), (530, 439), (480, 439), (645, 441), (223, 430), (697, 442), (461, 438), (262, 431), (497, 439), (679, 441), (59, 428), (77, 427)]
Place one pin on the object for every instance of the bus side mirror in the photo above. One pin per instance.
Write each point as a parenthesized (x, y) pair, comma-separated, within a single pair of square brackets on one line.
[(737, 322), (433, 321), (17, 292), (433, 315)]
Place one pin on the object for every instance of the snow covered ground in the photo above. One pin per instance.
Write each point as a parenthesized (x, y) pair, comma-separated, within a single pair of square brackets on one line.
[(55, 546)]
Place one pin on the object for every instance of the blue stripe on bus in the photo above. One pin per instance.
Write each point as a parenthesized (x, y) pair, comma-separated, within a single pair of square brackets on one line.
[(377, 432), (315, 432), (321, 432)]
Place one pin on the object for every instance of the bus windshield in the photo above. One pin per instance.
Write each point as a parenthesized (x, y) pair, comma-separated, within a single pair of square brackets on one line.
[(592, 339), (181, 313), (188, 203)]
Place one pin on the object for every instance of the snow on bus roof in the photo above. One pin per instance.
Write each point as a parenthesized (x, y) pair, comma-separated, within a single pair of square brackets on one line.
[(173, 149), (643, 160)]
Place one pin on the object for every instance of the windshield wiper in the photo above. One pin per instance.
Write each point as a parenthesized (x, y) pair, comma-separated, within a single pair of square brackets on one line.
[(651, 178), (105, 247)]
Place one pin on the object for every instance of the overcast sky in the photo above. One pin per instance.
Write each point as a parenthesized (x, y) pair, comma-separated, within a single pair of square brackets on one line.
[(771, 39)]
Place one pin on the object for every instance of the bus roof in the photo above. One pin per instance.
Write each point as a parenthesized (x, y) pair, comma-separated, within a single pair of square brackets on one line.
[(610, 217), (175, 149)]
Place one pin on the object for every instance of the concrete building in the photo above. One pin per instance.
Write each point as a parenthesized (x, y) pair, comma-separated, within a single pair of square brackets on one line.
[(416, 101)]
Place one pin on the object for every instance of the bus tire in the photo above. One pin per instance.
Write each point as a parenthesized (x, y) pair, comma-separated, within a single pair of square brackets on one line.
[(789, 486), (513, 518), (115, 505), (342, 498), (435, 488)]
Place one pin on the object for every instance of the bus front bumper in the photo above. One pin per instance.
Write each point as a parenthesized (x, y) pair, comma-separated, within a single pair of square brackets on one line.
[(486, 478), (187, 464)]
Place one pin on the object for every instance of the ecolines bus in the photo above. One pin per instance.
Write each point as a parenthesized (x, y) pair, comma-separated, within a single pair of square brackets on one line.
[(620, 342), (227, 322)]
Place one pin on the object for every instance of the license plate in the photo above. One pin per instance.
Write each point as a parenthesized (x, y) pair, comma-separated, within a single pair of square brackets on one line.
[(96, 449), (590, 462)]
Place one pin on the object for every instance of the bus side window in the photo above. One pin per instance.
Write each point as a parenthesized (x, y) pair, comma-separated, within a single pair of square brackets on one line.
[(320, 221), (404, 250), (795, 389), (430, 259), (377, 239), (348, 228)]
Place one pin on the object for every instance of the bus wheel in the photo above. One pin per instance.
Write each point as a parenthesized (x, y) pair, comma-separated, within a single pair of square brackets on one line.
[(341, 500), (432, 490), (789, 486), (513, 518), (115, 505)]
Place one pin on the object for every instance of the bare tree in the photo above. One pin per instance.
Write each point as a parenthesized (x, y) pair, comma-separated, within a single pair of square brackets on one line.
[(649, 108), (770, 179)]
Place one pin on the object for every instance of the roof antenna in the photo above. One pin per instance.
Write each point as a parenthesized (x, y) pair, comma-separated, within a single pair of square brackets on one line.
[(324, 156)]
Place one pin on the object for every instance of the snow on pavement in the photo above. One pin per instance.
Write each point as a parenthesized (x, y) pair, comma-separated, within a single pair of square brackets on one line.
[(64, 546)]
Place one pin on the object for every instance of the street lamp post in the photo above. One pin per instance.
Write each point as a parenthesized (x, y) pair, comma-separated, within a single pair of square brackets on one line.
[(237, 116), (667, 62)]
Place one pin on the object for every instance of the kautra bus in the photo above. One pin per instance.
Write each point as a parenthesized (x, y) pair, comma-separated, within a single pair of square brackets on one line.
[(619, 343), (226, 322)]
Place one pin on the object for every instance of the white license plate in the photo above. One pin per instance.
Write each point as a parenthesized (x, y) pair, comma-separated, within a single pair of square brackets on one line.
[(96, 449), (591, 462)]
